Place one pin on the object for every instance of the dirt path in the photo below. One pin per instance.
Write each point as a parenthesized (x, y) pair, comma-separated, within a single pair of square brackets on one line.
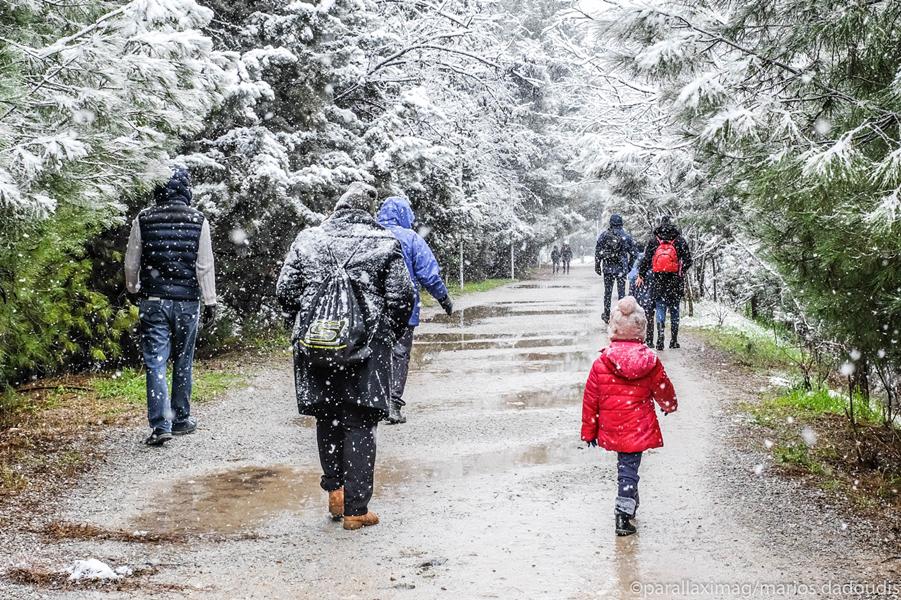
[(485, 493)]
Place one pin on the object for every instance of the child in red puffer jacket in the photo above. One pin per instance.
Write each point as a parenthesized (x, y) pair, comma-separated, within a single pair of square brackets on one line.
[(618, 405)]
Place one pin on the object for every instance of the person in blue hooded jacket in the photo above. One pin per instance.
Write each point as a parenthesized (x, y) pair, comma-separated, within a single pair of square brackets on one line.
[(396, 215)]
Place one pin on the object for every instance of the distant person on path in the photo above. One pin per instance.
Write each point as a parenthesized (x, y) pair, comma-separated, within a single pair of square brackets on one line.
[(169, 266), (566, 255), (667, 257), (396, 215), (613, 256), (642, 294), (555, 259), (618, 405), (345, 288)]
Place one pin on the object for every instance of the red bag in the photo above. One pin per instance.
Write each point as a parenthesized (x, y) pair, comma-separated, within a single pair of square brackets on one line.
[(666, 259)]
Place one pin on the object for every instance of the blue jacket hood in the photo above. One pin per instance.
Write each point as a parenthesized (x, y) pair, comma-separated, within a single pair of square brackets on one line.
[(616, 221), (396, 212)]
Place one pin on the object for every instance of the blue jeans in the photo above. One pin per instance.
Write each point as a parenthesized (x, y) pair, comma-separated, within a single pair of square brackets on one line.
[(168, 329), (627, 464), (661, 309)]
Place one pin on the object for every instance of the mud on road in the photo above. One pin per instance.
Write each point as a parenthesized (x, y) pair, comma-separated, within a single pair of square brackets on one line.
[(486, 492)]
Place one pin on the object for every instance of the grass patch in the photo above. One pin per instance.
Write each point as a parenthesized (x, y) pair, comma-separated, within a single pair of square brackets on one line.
[(129, 385), (798, 455), (754, 351), (811, 436), (807, 405), (808, 434), (470, 287)]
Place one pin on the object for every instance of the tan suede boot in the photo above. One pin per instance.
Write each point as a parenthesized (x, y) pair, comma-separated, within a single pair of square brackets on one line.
[(336, 504), (358, 522)]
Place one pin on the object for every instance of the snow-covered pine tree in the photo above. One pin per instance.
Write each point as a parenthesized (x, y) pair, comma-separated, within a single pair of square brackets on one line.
[(93, 97)]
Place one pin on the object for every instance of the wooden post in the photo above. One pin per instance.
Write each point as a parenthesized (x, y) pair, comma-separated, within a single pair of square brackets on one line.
[(461, 266)]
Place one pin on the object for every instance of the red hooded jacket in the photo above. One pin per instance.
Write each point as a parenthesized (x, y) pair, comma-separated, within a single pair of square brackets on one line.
[(618, 407)]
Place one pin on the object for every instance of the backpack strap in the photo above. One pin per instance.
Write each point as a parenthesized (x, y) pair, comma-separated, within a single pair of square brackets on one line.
[(343, 265)]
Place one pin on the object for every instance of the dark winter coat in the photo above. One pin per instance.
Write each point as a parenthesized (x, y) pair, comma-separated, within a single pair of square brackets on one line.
[(555, 255), (619, 263), (385, 295), (396, 215), (668, 287), (567, 253), (618, 405), (170, 238)]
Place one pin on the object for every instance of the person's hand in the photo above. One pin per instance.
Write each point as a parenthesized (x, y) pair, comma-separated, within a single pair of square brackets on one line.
[(447, 304), (639, 281), (209, 315), (592, 444)]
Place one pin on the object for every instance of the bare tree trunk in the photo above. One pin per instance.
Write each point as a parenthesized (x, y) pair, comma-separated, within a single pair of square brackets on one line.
[(713, 266)]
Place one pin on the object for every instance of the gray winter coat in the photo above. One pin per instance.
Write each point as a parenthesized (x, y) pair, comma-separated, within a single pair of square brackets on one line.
[(384, 293)]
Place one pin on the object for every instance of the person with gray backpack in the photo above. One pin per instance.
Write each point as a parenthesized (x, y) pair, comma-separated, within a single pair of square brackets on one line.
[(345, 289)]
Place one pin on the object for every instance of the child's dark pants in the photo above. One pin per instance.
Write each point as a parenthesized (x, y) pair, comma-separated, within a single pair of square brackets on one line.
[(627, 476)]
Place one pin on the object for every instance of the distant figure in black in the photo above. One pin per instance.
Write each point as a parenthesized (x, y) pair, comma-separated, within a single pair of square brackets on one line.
[(667, 257), (566, 255), (613, 257), (555, 259)]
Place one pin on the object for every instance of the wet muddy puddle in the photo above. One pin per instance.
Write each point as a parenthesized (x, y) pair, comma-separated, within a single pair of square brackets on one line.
[(478, 314), (244, 498), (543, 398)]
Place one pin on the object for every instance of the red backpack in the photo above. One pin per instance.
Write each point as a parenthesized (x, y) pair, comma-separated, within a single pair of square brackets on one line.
[(666, 259)]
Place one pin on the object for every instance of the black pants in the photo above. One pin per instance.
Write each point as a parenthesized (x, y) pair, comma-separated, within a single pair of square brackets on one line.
[(400, 365), (608, 290), (566, 266), (346, 437), (556, 266)]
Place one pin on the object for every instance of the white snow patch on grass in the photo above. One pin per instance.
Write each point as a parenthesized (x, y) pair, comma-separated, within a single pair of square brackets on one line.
[(713, 315)]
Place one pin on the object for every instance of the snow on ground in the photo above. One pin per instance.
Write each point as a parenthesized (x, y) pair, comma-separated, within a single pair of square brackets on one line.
[(94, 569), (710, 314)]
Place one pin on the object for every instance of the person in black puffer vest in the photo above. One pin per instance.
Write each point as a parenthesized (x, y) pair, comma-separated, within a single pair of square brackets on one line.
[(169, 266)]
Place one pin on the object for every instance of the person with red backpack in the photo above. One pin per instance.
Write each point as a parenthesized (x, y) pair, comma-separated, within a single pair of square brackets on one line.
[(667, 257)]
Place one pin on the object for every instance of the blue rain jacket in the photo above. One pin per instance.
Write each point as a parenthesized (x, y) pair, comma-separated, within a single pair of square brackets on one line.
[(396, 215)]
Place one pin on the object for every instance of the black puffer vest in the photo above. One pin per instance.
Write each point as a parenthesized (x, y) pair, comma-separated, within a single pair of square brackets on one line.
[(170, 237)]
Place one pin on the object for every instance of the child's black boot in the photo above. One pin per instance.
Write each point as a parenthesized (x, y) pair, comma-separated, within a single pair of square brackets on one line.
[(624, 524)]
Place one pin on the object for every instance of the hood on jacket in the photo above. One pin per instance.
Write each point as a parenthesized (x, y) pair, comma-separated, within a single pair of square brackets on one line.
[(629, 360), (667, 230), (616, 221), (396, 212), (177, 189), (359, 196)]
